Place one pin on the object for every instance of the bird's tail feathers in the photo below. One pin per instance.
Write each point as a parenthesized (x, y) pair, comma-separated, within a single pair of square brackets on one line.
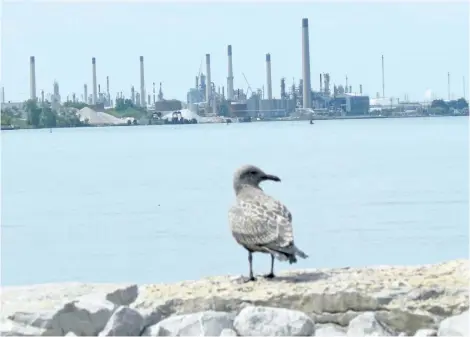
[(287, 253), (281, 256), (300, 253)]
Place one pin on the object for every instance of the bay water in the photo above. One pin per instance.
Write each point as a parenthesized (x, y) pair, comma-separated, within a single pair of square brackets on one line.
[(149, 204)]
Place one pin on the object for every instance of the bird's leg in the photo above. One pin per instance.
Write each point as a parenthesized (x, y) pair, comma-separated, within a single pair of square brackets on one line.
[(271, 274), (250, 261)]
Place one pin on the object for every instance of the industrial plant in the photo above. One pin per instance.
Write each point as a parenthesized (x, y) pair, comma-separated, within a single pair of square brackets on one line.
[(209, 102), (298, 101)]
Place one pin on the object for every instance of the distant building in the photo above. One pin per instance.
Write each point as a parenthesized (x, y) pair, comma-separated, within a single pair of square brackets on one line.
[(351, 104), (13, 105)]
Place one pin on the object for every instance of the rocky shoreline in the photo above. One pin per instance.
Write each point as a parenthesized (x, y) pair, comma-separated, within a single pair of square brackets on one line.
[(425, 300)]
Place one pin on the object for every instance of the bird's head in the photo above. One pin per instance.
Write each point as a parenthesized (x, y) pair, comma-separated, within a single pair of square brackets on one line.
[(252, 176)]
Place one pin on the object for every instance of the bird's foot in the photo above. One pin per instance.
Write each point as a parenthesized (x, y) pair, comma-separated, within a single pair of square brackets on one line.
[(248, 279), (269, 276), (243, 280)]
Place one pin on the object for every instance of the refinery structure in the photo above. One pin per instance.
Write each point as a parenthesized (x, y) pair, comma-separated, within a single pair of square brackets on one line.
[(298, 100), (210, 100)]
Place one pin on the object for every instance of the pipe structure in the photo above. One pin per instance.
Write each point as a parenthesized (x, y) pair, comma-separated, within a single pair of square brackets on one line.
[(32, 74), (95, 88), (142, 83), (230, 74)]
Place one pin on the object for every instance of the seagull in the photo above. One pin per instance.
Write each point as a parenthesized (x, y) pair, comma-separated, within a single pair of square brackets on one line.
[(260, 223)]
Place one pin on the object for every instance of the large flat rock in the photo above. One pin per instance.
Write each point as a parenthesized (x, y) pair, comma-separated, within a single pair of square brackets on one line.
[(404, 298)]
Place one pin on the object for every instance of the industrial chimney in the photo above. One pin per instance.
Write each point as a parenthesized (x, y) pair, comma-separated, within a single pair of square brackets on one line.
[(208, 79), (321, 84), (32, 70), (360, 89), (268, 78), (3, 95), (107, 86), (133, 98), (154, 94), (230, 74), (93, 62), (85, 94), (306, 65), (142, 83)]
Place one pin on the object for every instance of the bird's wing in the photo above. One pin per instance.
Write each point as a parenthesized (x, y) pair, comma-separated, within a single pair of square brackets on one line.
[(261, 220)]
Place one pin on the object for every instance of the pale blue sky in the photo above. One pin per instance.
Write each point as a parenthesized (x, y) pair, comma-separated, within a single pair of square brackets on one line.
[(420, 42)]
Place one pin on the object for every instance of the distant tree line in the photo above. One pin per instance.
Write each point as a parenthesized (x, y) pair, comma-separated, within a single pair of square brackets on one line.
[(44, 117), (76, 105), (9, 115), (441, 107)]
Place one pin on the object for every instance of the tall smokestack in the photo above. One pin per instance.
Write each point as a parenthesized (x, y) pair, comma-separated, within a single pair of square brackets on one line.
[(208, 79), (306, 65), (85, 93), (93, 62), (448, 86), (32, 80), (383, 77), (230, 74), (142, 83), (107, 85), (133, 95), (360, 89), (463, 82), (3, 95), (153, 93), (268, 77), (321, 84)]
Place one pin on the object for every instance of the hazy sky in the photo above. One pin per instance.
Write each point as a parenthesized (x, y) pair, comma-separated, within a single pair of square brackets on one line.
[(420, 42)]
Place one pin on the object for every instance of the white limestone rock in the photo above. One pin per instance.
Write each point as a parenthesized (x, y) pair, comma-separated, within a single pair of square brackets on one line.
[(425, 333), (367, 324), (266, 321), (85, 316), (124, 322), (207, 323), (124, 295), (228, 332), (455, 325), (329, 330), (11, 328)]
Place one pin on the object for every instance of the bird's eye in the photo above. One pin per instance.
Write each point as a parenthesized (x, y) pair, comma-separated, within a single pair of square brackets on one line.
[(253, 172)]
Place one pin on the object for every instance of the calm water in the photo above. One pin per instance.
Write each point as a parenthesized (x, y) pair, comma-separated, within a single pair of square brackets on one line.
[(149, 204)]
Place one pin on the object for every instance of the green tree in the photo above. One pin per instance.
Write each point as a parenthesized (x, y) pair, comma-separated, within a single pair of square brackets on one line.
[(34, 113), (6, 118), (123, 104), (48, 118), (76, 105)]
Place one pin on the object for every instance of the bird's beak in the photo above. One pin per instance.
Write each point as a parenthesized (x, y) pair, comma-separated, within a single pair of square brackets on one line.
[(271, 177)]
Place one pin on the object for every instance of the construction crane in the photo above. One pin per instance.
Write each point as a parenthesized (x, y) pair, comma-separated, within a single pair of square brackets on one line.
[(249, 87)]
